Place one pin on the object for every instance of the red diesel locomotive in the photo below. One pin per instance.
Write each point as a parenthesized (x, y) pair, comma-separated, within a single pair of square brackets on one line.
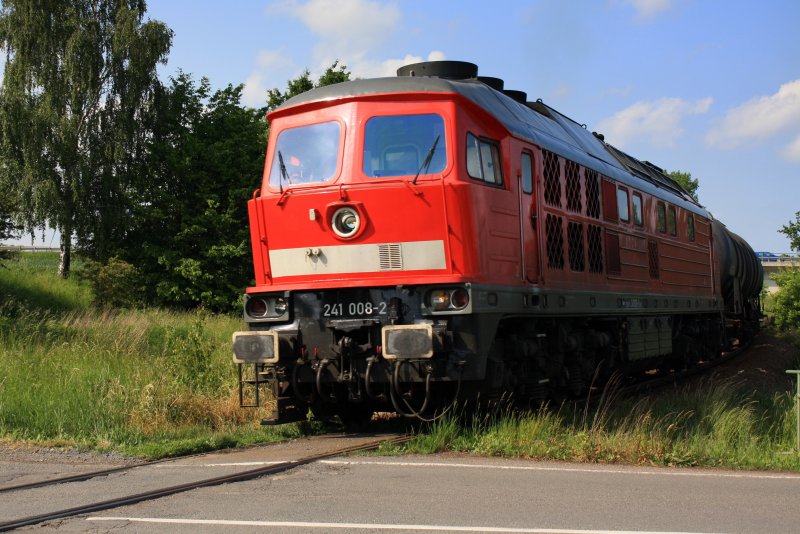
[(432, 237)]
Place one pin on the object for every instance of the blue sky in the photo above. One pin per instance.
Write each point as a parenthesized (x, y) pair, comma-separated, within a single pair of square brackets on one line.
[(710, 87)]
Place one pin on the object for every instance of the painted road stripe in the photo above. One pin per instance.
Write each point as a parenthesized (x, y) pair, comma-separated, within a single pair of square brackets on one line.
[(372, 526), (228, 464), (664, 472)]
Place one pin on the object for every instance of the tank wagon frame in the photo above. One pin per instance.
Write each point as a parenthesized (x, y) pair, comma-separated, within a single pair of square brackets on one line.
[(433, 237)]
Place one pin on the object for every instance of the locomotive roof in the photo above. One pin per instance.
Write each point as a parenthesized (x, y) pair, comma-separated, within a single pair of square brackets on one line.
[(534, 121)]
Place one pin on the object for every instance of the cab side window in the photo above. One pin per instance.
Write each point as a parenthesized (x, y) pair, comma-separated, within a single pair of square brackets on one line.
[(483, 160), (527, 173), (661, 212), (672, 221), (636, 204), (622, 205)]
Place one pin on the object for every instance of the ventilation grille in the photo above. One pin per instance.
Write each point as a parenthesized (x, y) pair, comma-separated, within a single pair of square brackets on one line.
[(555, 242), (552, 181), (572, 172), (391, 257), (575, 246), (595, 249), (652, 253), (592, 194)]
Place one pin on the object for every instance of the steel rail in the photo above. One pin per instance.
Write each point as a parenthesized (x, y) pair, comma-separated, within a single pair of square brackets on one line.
[(215, 481), (80, 477)]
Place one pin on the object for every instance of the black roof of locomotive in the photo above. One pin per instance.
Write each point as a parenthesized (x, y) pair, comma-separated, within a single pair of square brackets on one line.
[(532, 121)]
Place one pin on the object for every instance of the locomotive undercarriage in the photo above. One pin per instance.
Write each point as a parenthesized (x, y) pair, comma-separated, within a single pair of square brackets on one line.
[(552, 359), (336, 365)]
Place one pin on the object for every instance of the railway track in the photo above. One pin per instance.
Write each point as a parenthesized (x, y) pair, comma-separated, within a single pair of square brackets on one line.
[(158, 492)]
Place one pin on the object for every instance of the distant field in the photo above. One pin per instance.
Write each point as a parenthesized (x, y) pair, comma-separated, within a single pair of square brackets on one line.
[(145, 382)]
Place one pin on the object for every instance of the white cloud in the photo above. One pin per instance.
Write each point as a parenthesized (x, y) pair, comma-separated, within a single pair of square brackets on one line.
[(376, 69), (657, 122), (792, 150), (760, 118), (348, 31), (561, 90), (648, 9), (346, 28), (273, 69)]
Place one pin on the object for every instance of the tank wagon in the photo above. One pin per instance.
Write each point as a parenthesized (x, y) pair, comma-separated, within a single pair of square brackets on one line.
[(433, 237)]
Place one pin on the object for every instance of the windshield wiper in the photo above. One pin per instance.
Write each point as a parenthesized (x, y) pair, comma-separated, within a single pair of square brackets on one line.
[(284, 174), (427, 162)]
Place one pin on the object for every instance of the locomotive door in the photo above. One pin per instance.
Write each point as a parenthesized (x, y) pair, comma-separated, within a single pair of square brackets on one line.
[(529, 225)]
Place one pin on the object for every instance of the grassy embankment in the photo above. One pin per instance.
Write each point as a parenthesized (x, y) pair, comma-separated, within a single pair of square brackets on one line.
[(155, 383), (718, 424), (723, 422), (144, 382)]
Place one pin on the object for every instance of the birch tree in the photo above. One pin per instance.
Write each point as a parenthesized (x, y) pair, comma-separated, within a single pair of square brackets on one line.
[(79, 78)]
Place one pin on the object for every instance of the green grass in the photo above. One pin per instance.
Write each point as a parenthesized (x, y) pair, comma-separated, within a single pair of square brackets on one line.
[(145, 382), (716, 424), (157, 383)]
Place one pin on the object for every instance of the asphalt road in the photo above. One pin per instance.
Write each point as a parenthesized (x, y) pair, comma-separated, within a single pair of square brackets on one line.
[(457, 494)]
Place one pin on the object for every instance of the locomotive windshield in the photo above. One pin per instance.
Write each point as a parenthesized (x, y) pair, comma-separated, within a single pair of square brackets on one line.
[(398, 145), (306, 154)]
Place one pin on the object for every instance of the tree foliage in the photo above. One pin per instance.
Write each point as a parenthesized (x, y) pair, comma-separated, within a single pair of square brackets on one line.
[(336, 73), (685, 180), (8, 229), (188, 235), (79, 80), (792, 231), (786, 301)]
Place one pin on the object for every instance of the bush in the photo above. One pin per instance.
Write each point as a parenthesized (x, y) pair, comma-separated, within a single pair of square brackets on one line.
[(786, 302), (114, 285)]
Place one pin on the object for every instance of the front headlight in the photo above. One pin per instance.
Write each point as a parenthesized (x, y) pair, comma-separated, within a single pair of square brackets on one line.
[(346, 222), (448, 299), (266, 307)]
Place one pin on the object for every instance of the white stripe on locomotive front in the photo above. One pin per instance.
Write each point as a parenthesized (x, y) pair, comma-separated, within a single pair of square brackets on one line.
[(341, 259)]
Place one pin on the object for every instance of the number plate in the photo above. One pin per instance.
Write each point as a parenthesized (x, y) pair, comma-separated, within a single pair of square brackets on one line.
[(345, 306)]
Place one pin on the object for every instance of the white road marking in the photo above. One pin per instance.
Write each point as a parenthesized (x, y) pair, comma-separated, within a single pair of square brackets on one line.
[(372, 526), (663, 472), (228, 464)]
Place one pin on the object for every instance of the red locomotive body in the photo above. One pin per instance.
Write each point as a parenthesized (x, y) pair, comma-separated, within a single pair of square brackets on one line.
[(431, 237)]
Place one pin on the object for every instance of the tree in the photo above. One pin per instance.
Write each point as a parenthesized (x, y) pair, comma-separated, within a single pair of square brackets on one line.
[(188, 236), (786, 301), (334, 74), (8, 229), (79, 79), (685, 180), (792, 231)]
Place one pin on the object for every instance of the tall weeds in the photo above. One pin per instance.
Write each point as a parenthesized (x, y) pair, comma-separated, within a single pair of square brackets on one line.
[(146, 381), (716, 424)]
